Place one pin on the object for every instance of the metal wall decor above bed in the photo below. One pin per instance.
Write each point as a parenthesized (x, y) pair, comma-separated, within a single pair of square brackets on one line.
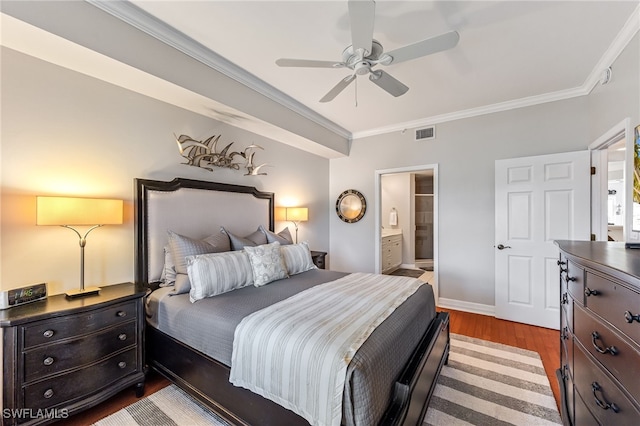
[(205, 154)]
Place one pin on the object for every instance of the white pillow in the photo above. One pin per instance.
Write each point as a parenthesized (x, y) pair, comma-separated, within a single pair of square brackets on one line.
[(297, 258), (267, 263), (216, 273)]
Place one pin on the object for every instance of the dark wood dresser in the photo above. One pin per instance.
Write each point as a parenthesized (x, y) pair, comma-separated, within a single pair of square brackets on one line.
[(599, 333), (61, 356)]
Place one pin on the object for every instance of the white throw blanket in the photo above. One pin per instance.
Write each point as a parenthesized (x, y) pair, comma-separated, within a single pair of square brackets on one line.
[(296, 352)]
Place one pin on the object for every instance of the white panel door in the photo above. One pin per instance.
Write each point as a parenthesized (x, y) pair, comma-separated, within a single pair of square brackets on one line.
[(538, 200)]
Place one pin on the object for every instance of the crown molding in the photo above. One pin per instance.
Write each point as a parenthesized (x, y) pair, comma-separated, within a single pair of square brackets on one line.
[(474, 112), (138, 18), (628, 31)]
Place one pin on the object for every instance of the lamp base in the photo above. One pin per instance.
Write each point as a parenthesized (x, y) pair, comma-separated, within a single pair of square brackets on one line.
[(87, 291)]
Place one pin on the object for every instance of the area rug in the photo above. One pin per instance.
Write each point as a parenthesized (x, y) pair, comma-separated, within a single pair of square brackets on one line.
[(415, 273), (484, 384)]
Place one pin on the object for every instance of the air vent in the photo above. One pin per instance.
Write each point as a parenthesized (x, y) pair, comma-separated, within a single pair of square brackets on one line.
[(426, 133)]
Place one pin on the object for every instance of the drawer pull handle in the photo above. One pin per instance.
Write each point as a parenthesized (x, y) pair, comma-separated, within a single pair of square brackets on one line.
[(122, 364), (630, 317), (564, 299), (571, 278), (122, 336), (610, 350), (588, 292), (48, 361), (121, 314), (48, 393), (560, 263), (595, 387), (48, 333)]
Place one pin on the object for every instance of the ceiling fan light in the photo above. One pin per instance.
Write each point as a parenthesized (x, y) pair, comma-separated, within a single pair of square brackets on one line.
[(362, 68)]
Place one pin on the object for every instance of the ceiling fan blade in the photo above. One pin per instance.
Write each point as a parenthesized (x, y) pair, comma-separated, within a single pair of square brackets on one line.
[(388, 83), (308, 63), (362, 17), (423, 48), (338, 88)]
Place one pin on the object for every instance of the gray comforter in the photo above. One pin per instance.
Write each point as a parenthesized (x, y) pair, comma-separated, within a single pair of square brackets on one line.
[(209, 324)]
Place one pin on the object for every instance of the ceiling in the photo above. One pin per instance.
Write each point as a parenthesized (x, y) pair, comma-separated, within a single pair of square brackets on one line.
[(509, 51), (510, 54)]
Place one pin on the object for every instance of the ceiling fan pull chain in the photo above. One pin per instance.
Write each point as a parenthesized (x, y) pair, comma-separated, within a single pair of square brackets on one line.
[(356, 92)]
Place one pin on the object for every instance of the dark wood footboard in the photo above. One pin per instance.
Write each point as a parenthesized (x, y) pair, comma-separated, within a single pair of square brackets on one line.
[(415, 386), (208, 380)]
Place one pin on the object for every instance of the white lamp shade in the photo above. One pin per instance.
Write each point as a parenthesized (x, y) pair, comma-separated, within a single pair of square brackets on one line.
[(78, 211), (297, 214)]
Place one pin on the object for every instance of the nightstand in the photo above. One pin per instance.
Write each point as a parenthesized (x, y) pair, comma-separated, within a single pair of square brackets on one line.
[(61, 356), (318, 258)]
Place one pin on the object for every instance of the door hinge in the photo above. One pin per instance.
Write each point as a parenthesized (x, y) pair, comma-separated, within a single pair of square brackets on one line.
[(593, 237), (593, 170)]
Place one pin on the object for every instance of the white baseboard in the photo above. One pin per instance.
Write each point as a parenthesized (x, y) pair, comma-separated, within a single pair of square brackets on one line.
[(459, 305)]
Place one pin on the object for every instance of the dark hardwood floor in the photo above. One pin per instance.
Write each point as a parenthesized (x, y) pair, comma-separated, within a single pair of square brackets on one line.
[(544, 341)]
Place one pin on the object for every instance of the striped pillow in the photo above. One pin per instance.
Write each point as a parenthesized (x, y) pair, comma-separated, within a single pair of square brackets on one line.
[(297, 257), (216, 273)]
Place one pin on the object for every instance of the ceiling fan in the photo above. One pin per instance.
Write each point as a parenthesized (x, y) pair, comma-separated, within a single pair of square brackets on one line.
[(365, 53)]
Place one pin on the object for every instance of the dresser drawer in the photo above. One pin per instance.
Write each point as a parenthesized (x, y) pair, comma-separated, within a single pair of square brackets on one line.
[(567, 310), (612, 301), (47, 360), (582, 416), (574, 278), (567, 383), (600, 392), (596, 337), (566, 337), (47, 332), (65, 388)]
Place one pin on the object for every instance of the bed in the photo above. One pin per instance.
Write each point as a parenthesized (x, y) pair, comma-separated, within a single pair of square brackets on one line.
[(391, 376)]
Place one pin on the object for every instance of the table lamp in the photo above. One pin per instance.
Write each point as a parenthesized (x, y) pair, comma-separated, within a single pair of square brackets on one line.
[(68, 212), (296, 215)]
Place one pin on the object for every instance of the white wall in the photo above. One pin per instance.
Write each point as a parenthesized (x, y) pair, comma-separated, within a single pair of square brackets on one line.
[(466, 151), (64, 133)]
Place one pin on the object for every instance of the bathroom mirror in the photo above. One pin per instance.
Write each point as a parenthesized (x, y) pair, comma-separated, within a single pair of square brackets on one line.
[(351, 206)]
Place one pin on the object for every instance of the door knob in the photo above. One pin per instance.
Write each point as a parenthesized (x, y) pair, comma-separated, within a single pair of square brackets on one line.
[(502, 247)]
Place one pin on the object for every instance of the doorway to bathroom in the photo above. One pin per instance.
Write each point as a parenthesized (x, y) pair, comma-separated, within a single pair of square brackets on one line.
[(406, 210), (423, 208)]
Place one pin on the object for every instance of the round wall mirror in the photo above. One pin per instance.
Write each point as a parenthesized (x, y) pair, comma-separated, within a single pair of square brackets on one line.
[(351, 206)]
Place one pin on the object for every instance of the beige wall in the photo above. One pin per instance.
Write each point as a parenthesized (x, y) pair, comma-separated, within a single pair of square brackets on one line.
[(64, 133)]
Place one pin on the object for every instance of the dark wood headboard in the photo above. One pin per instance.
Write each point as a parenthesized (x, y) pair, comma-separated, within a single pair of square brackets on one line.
[(195, 209)]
